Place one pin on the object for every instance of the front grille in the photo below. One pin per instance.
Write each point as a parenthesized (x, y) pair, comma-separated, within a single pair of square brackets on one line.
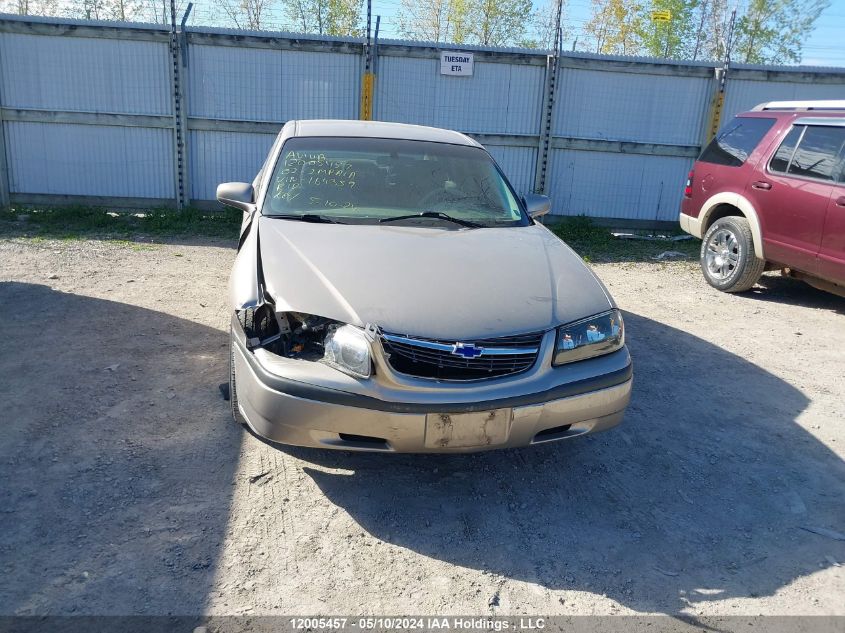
[(432, 358)]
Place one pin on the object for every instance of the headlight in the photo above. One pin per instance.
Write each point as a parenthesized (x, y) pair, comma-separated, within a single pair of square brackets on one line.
[(347, 349), (594, 336)]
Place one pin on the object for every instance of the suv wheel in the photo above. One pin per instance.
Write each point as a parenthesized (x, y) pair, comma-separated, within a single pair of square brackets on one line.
[(727, 255)]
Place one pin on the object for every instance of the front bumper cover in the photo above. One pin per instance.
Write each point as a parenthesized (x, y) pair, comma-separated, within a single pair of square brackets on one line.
[(304, 414)]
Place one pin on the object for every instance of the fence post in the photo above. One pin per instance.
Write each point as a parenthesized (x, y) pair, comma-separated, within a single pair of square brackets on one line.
[(374, 56), (547, 120), (183, 98), (179, 118), (721, 83), (367, 79), (713, 116), (5, 201), (546, 124)]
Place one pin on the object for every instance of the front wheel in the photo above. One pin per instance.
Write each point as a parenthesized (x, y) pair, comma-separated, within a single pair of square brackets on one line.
[(727, 255)]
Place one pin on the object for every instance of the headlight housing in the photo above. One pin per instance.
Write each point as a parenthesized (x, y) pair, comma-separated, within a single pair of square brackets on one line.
[(594, 336), (347, 349)]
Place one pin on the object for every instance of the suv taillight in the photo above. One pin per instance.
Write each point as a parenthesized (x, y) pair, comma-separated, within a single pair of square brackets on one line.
[(688, 187)]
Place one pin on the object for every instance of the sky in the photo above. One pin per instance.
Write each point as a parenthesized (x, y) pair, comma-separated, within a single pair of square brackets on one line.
[(826, 46)]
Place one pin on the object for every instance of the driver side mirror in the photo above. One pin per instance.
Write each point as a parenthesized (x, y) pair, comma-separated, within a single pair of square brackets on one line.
[(239, 195), (536, 205)]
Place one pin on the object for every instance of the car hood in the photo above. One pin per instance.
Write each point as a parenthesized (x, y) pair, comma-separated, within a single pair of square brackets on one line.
[(428, 282)]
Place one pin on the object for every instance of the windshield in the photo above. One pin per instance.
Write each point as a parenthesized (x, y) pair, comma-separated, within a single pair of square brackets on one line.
[(367, 180)]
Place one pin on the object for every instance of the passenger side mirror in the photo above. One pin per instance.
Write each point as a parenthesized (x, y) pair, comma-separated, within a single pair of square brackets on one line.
[(536, 205), (239, 195)]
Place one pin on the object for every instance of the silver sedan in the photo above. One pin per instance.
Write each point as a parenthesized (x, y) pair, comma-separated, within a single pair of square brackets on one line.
[(392, 292)]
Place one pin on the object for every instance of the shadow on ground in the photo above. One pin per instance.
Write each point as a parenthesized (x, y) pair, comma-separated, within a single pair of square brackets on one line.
[(776, 288), (117, 457), (700, 495)]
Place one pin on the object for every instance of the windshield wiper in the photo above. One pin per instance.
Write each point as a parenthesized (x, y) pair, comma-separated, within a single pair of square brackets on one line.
[(433, 214), (308, 217)]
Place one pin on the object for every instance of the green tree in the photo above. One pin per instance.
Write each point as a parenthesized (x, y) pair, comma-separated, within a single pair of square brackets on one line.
[(158, 11), (30, 7), (246, 14), (541, 27), (774, 31), (498, 22), (615, 27), (433, 20), (344, 18), (675, 38), (325, 17)]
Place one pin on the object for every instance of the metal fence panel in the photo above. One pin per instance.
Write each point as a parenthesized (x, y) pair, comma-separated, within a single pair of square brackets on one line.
[(223, 157), (253, 84), (85, 74), (90, 160), (496, 99), (632, 107), (743, 94), (629, 186), (629, 125)]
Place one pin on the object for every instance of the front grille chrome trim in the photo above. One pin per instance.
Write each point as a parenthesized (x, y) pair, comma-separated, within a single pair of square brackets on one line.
[(439, 359), (443, 347)]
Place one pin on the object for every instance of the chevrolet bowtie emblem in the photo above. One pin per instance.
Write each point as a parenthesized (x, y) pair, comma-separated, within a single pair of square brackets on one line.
[(467, 350)]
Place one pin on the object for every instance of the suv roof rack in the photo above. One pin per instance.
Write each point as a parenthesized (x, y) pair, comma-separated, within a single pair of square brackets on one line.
[(800, 105)]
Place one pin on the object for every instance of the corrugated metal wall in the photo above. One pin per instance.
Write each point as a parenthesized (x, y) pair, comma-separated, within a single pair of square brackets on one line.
[(251, 84), (612, 185), (85, 74), (66, 159), (518, 163), (224, 157), (259, 84), (497, 99), (615, 105), (88, 110), (744, 94), (95, 75)]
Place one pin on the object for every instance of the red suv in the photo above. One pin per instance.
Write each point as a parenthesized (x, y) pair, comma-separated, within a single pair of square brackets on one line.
[(769, 192)]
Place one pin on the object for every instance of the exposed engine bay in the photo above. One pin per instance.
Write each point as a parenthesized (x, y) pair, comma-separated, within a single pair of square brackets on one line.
[(289, 334)]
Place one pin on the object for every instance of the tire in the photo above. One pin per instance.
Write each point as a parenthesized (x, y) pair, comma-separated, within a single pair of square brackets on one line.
[(233, 392), (728, 260)]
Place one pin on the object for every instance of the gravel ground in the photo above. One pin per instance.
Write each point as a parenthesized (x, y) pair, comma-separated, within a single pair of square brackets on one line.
[(127, 489)]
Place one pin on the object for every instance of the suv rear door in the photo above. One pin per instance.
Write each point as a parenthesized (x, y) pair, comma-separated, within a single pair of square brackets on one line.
[(791, 192), (832, 251)]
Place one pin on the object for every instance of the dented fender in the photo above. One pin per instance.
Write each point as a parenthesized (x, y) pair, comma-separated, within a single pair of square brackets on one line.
[(245, 288)]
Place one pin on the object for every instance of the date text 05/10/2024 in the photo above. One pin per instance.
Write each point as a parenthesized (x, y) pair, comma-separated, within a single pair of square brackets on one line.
[(419, 623)]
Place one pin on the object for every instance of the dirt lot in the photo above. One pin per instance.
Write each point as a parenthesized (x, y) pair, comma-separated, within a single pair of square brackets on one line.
[(126, 488)]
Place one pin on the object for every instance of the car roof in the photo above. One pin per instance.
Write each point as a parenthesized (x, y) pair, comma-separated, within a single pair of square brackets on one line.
[(380, 129)]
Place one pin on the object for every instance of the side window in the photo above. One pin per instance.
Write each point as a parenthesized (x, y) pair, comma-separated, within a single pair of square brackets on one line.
[(736, 141), (780, 161), (817, 155)]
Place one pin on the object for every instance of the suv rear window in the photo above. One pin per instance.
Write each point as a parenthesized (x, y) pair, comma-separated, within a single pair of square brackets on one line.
[(817, 155), (736, 141)]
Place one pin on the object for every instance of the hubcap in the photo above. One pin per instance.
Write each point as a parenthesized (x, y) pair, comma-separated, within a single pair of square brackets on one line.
[(722, 254)]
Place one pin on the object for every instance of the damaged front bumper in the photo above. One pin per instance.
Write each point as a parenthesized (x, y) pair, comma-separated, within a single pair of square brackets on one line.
[(309, 404)]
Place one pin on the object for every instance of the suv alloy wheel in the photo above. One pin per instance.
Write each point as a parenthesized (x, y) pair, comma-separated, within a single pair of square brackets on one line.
[(727, 255)]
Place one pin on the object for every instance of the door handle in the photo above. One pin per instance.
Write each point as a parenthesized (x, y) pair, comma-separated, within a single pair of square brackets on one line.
[(840, 201), (761, 184)]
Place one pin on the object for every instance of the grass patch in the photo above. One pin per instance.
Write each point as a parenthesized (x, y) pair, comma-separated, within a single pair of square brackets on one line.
[(87, 222), (596, 243)]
